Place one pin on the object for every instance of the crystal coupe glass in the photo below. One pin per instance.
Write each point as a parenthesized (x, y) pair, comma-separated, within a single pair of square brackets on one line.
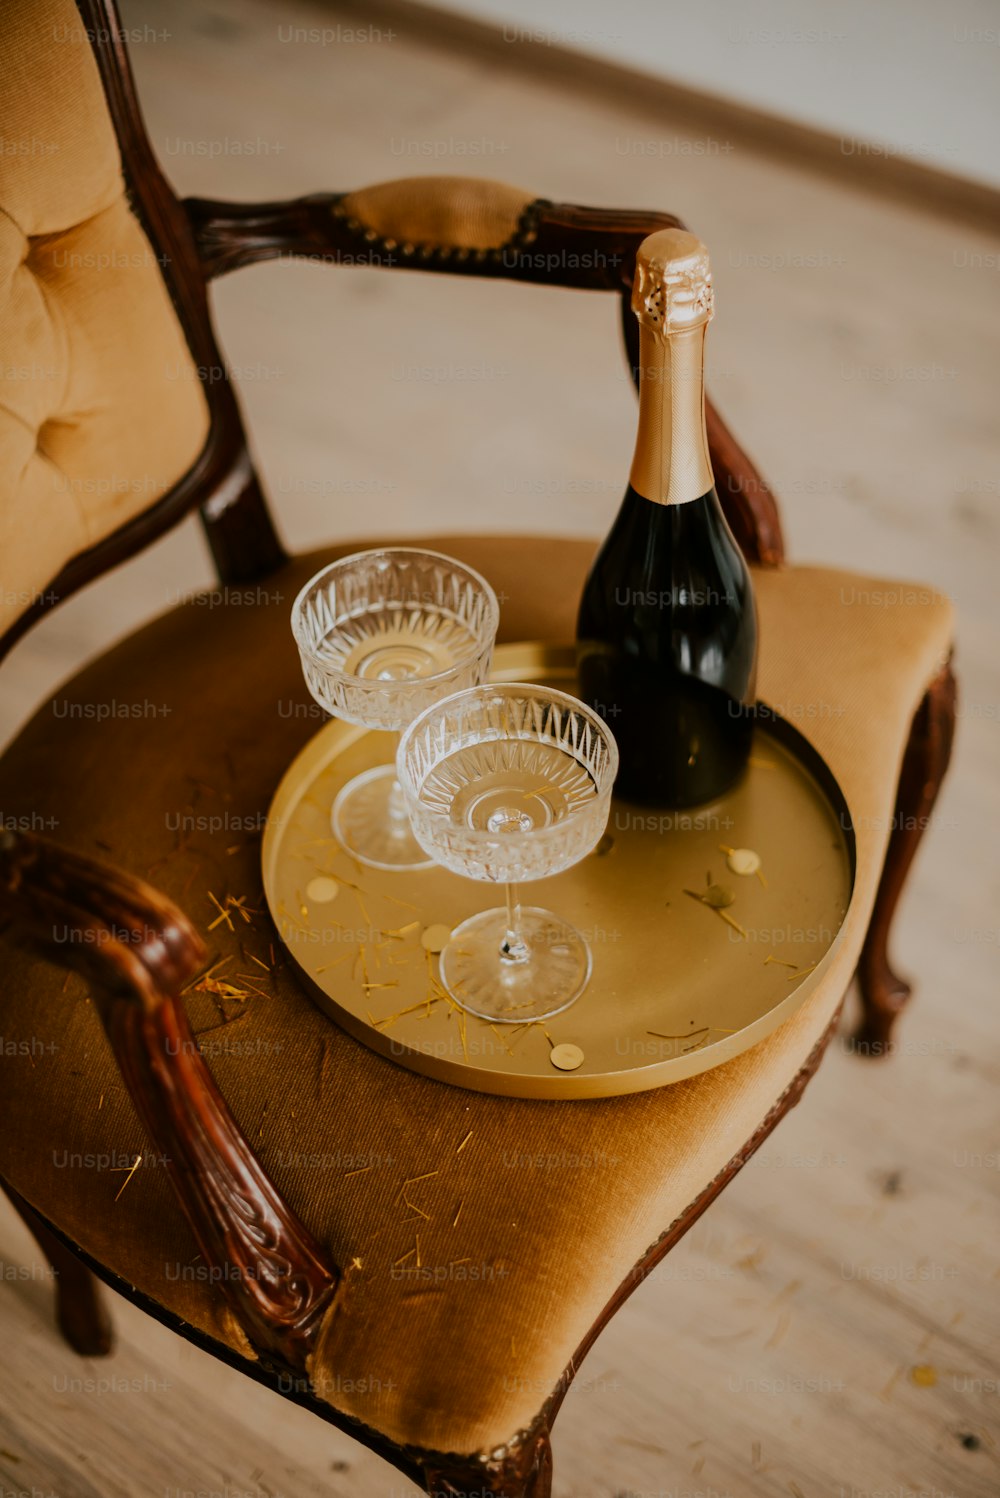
[(508, 783), (382, 635)]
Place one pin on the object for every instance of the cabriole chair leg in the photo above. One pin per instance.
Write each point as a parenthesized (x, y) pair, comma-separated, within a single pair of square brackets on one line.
[(525, 1471), (81, 1310), (928, 750)]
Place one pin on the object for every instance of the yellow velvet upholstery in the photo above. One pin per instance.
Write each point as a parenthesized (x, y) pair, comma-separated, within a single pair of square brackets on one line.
[(463, 212), (101, 410), (459, 1358)]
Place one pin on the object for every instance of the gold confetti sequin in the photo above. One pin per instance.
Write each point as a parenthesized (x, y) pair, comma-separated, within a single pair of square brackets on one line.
[(435, 938), (566, 1057), (322, 890), (743, 861)]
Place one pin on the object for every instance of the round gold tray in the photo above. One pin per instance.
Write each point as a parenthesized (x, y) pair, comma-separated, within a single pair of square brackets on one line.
[(677, 986)]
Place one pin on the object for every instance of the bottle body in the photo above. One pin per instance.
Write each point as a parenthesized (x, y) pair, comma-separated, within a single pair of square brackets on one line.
[(666, 649), (667, 630)]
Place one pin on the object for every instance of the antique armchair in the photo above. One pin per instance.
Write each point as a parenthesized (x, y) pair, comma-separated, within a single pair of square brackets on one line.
[(227, 1232)]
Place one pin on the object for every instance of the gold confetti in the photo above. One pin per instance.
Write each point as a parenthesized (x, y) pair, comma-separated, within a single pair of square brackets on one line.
[(742, 861), (924, 1375), (291, 919), (400, 931), (412, 1181), (221, 989), (252, 986), (391, 1018), (502, 1038), (566, 1057), (322, 889), (406, 904), (222, 916), (435, 938), (464, 1142), (135, 1167), (328, 965)]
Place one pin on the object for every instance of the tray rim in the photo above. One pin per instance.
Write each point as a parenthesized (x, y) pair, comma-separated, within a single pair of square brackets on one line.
[(509, 665)]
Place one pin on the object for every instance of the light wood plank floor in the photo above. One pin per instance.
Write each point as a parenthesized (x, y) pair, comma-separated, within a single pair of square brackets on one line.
[(832, 1328)]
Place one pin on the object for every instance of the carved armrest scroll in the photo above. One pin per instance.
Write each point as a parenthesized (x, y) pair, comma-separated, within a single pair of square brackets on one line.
[(140, 950)]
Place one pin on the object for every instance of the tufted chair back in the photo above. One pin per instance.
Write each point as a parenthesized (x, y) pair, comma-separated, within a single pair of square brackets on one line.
[(102, 410)]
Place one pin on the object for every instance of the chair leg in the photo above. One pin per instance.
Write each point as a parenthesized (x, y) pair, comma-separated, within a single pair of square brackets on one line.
[(928, 750), (525, 1472), (81, 1310)]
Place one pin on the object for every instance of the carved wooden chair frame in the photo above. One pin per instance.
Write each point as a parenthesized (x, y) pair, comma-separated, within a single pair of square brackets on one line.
[(143, 951)]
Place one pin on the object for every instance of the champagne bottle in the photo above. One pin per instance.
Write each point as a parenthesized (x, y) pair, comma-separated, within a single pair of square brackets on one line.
[(667, 630)]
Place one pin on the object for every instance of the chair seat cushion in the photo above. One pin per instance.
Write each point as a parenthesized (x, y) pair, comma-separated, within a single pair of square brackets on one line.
[(162, 756)]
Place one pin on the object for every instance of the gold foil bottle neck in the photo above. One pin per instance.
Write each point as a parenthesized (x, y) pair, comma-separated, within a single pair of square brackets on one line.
[(672, 299), (672, 289)]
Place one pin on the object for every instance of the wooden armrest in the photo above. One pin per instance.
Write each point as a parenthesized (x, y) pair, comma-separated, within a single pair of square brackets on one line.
[(141, 951), (471, 226), (453, 224)]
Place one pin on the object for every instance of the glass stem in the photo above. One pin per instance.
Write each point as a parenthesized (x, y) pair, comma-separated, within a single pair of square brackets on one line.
[(513, 947)]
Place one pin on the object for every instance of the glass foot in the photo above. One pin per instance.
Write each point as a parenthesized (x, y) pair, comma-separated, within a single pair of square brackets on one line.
[(552, 970), (369, 818)]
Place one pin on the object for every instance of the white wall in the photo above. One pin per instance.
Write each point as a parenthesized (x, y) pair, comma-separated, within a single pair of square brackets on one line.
[(916, 77)]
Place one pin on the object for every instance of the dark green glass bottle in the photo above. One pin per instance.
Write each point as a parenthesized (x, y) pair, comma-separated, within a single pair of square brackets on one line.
[(667, 630)]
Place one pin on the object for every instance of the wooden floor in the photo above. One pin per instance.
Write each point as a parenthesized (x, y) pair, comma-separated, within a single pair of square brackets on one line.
[(832, 1328)]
